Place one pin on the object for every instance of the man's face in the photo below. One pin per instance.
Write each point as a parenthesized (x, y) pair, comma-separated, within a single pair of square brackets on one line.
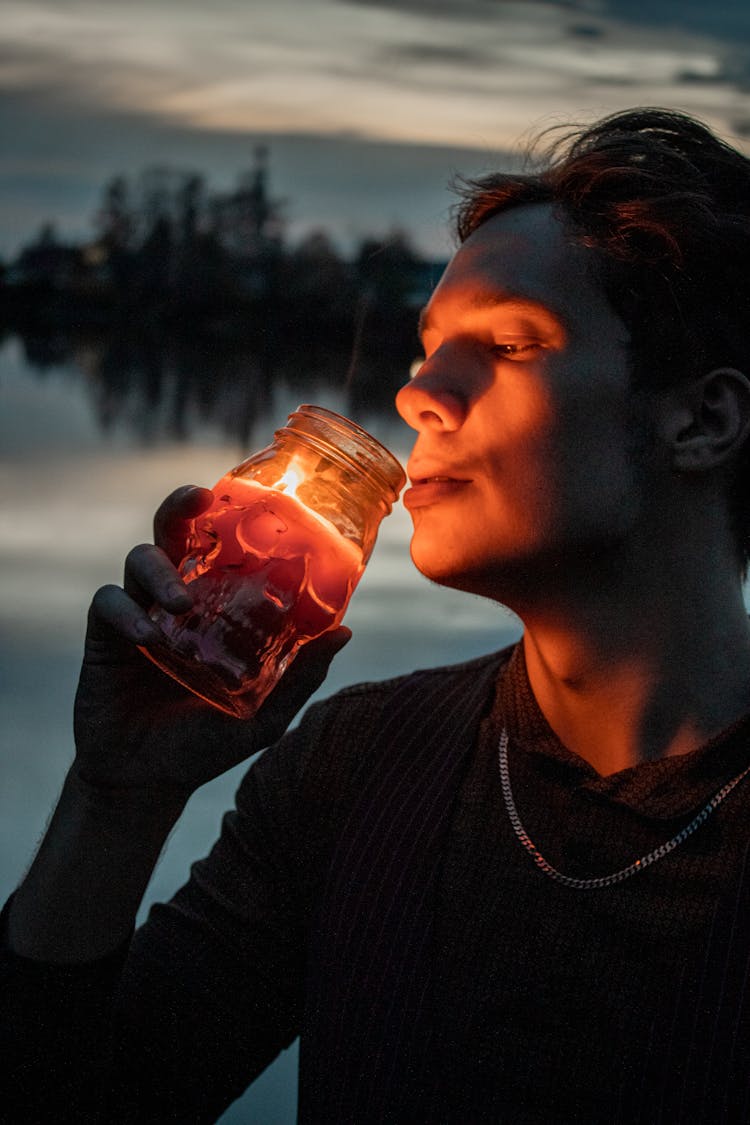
[(524, 459)]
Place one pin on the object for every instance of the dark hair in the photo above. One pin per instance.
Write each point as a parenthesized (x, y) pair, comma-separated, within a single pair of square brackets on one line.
[(665, 205)]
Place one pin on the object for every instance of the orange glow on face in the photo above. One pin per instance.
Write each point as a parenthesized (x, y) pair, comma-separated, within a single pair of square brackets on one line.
[(522, 409)]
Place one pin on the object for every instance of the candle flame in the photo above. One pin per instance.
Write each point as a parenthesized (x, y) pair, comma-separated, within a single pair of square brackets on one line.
[(289, 482)]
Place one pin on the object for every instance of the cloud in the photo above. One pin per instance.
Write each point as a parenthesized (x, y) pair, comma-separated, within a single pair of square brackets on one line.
[(90, 89), (378, 69), (431, 9), (58, 157), (726, 21), (440, 54), (487, 10)]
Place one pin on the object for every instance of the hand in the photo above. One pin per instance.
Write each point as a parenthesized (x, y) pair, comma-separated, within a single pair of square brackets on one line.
[(136, 728)]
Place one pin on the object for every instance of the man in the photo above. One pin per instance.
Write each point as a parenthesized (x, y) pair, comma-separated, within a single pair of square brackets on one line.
[(513, 890)]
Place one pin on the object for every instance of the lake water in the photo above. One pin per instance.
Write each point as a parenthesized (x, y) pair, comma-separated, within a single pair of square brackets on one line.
[(82, 469)]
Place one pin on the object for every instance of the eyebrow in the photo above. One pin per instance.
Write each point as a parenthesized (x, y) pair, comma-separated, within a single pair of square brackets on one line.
[(510, 302)]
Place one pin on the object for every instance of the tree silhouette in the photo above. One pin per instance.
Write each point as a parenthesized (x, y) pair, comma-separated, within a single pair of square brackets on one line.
[(196, 294)]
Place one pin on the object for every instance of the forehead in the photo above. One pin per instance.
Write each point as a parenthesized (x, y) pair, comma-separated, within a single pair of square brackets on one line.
[(525, 256)]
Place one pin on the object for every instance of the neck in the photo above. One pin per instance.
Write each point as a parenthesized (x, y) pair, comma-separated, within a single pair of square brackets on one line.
[(639, 674)]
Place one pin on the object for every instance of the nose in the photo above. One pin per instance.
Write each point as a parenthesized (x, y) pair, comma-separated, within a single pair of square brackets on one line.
[(430, 401)]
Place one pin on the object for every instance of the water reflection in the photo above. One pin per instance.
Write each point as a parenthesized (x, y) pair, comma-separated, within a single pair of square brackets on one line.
[(164, 386)]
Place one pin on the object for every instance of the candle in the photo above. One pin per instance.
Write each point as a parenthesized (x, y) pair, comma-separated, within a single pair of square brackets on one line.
[(273, 563)]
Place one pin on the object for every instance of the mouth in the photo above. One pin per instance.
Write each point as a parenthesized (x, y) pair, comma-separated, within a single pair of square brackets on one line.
[(428, 480), (431, 489)]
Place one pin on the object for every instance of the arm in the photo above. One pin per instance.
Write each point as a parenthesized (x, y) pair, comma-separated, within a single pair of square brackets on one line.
[(143, 745), (177, 1022), (79, 1026)]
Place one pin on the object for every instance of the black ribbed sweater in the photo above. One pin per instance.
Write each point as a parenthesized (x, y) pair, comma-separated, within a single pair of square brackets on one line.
[(368, 893)]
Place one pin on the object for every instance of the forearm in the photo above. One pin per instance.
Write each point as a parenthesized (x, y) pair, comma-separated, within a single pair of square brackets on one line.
[(79, 899)]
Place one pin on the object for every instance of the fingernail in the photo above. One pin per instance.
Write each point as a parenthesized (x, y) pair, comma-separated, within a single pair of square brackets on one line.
[(176, 591), (146, 632)]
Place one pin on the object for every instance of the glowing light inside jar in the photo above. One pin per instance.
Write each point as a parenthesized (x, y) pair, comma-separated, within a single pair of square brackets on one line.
[(289, 481), (269, 569)]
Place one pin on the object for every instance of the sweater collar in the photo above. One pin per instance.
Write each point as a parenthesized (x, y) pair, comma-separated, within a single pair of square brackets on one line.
[(662, 790)]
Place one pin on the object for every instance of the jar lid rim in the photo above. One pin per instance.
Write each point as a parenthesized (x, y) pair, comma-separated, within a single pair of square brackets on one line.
[(391, 473)]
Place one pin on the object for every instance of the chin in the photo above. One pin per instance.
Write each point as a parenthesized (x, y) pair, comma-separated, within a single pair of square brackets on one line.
[(455, 571), (512, 580), (434, 564)]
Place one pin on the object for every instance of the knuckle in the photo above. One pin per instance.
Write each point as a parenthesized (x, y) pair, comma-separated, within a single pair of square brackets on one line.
[(141, 556), (184, 492), (104, 608), (139, 551), (104, 597), (181, 503), (167, 509)]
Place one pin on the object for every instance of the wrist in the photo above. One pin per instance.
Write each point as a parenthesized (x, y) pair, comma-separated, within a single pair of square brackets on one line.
[(143, 803), (80, 897)]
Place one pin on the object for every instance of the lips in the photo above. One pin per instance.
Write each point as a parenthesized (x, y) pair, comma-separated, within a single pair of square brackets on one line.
[(436, 477), (432, 487)]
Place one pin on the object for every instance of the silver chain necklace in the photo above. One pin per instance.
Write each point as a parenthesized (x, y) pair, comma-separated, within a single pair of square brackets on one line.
[(617, 876)]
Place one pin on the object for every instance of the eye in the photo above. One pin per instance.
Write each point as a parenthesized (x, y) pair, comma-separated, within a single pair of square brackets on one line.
[(520, 349)]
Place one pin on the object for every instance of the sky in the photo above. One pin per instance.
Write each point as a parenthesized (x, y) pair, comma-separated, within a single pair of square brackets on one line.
[(369, 107)]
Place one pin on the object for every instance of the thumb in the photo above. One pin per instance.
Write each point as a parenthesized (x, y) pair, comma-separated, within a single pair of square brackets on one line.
[(304, 676)]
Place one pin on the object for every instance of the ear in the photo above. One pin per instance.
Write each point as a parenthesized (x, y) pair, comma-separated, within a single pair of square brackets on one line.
[(707, 421)]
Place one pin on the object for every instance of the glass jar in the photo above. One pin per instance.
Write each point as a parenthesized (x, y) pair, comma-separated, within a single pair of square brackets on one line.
[(272, 564)]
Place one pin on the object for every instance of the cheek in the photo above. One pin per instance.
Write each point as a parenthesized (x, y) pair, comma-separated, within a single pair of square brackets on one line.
[(521, 408), (600, 466), (562, 454), (521, 436), (514, 434)]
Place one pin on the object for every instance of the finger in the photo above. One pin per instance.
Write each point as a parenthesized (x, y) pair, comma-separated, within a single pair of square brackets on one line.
[(303, 677), (224, 740), (151, 577), (173, 517), (115, 616)]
